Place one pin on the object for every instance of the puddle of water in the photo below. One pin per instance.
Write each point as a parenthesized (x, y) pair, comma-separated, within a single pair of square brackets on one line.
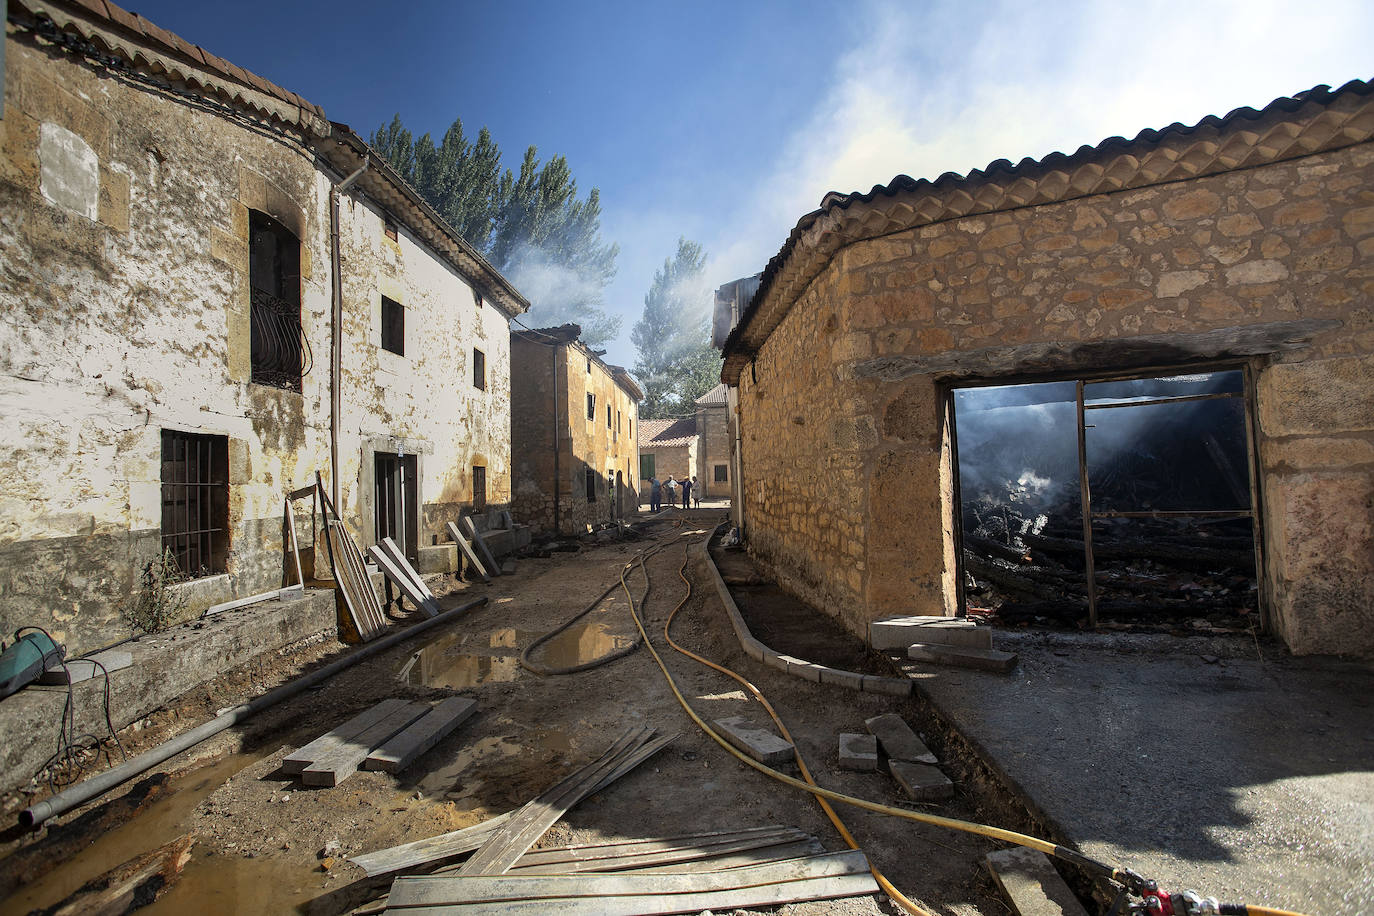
[(229, 885), (445, 780), (442, 663), (159, 823), (586, 642)]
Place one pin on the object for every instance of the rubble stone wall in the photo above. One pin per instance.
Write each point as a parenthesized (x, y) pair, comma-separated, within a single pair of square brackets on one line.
[(849, 390), (713, 433)]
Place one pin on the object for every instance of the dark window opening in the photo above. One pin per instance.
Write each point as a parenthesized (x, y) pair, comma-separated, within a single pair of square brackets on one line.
[(591, 407), (390, 229), (608, 416), (479, 487), (722, 474), (479, 369), (1123, 499), (195, 502), (397, 501), (591, 485), (393, 326), (279, 353)]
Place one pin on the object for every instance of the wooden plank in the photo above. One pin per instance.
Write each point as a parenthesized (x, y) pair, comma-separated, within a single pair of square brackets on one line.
[(394, 551), (462, 541), (430, 850), (301, 493), (448, 890), (740, 898), (291, 539), (487, 556), (537, 816), (342, 761), (649, 853), (421, 735), (298, 760), (359, 564), (1028, 880), (743, 859), (130, 886), (389, 569), (457, 842), (347, 579), (335, 563)]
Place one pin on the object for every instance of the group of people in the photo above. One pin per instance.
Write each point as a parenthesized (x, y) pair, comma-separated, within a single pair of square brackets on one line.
[(657, 488)]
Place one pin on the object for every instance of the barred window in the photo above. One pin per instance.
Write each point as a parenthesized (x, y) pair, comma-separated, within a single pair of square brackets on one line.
[(279, 352), (195, 501), (722, 474)]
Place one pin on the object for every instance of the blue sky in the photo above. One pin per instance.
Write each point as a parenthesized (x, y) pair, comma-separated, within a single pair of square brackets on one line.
[(726, 122)]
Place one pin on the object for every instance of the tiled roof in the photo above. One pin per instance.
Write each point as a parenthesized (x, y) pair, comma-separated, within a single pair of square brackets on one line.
[(715, 397), (667, 433), (120, 37), (1310, 122)]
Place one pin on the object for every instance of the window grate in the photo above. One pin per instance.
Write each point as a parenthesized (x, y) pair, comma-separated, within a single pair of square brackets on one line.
[(279, 353), (195, 501)]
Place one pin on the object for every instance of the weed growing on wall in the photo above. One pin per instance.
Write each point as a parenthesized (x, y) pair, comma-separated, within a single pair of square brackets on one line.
[(157, 603)]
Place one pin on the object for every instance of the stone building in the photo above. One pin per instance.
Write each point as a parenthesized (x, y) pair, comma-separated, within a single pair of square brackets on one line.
[(211, 292), (573, 433), (1240, 244), (713, 443), (667, 448)]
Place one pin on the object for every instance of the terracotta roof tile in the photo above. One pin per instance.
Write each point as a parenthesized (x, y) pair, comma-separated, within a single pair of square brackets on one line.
[(667, 433), (717, 395)]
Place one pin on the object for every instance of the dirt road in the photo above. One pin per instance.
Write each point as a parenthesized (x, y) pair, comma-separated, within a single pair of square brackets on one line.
[(260, 834)]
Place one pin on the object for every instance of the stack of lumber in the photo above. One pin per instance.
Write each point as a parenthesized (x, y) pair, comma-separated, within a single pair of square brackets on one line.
[(761, 866), (388, 736), (397, 568), (350, 573)]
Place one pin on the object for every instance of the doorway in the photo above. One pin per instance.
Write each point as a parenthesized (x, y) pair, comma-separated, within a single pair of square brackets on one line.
[(1113, 501), (397, 502)]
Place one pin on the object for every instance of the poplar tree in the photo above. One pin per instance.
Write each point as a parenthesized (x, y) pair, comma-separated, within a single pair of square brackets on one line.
[(676, 363)]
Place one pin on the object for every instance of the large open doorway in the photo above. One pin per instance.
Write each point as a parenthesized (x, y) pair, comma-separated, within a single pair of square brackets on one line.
[(397, 498), (1109, 501)]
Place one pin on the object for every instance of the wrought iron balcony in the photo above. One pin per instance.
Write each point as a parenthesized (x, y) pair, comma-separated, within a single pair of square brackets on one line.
[(281, 355)]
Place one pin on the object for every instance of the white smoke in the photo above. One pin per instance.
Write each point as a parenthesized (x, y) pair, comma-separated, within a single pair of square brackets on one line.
[(555, 291)]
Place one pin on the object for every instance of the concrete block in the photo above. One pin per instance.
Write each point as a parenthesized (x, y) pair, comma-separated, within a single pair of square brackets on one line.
[(898, 740), (507, 567), (892, 686), (858, 752), (803, 669), (981, 659), (848, 679), (76, 670), (920, 781), (900, 632), (774, 660), (1031, 885), (753, 648), (759, 743)]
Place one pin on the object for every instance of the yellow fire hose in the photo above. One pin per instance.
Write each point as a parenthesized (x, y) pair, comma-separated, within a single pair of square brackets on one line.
[(823, 795)]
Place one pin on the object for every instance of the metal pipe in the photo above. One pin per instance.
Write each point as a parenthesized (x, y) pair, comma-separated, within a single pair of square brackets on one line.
[(1086, 504), (67, 799)]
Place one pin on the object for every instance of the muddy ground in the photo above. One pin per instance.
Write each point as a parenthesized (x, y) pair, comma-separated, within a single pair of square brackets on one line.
[(260, 834)]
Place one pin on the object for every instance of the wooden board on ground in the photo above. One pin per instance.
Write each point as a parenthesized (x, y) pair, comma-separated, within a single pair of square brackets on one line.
[(387, 564), (651, 853), (462, 541), (839, 874), (298, 760), (421, 735), (1030, 883), (432, 850), (524, 829), (759, 743), (403, 562), (743, 859), (488, 557), (342, 761)]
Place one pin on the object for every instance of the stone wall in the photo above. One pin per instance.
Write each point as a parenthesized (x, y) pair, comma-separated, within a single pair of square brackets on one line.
[(1267, 265), (677, 461), (713, 448)]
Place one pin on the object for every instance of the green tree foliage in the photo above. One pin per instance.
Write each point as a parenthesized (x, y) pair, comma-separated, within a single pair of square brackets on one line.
[(676, 363), (531, 225)]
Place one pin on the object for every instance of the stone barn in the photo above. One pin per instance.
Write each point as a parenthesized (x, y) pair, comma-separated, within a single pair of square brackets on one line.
[(1185, 323)]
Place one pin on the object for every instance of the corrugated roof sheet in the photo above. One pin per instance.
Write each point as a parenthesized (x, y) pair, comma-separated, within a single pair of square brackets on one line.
[(667, 433), (1318, 120), (716, 396)]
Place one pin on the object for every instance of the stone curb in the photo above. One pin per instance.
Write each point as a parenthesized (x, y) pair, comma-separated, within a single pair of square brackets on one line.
[(809, 671)]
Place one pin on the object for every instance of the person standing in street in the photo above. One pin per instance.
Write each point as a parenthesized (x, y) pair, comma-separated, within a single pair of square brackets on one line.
[(686, 493), (655, 494), (670, 490), (696, 492)]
